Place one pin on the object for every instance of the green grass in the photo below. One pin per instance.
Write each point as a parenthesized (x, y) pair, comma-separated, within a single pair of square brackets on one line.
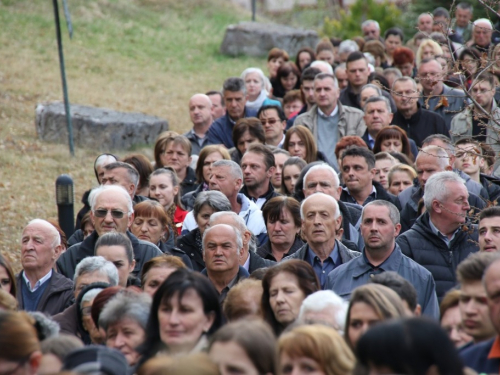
[(141, 56)]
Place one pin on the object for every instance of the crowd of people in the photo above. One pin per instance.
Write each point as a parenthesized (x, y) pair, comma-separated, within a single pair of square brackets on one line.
[(337, 216)]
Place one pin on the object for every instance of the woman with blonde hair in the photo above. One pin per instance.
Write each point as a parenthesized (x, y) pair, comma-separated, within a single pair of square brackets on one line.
[(427, 49), (369, 305), (319, 347)]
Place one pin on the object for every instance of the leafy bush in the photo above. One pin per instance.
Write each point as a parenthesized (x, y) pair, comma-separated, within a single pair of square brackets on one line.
[(347, 24)]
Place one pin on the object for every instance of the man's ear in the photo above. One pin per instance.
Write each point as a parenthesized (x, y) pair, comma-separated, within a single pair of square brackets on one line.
[(418, 310), (270, 172)]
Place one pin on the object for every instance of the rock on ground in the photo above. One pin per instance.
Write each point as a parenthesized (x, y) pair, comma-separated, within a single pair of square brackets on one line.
[(256, 39), (97, 128)]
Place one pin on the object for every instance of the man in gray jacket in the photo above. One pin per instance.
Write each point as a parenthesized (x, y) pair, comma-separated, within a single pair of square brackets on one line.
[(379, 228), (321, 224), (328, 119)]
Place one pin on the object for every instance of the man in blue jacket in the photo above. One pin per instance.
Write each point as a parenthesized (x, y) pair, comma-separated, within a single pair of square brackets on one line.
[(379, 228), (234, 93)]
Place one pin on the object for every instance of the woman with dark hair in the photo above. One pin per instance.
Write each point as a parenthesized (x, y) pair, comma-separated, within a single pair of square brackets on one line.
[(380, 81), (285, 286), (7, 279), (369, 305), (282, 218), (415, 346), (290, 174), (246, 131), (246, 347), (393, 139), (206, 203), (304, 58), (185, 310), (288, 78), (151, 223), (300, 142), (208, 155), (451, 319), (469, 62), (164, 186), (142, 164)]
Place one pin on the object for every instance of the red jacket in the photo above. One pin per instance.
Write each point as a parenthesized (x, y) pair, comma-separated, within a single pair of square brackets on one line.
[(179, 216)]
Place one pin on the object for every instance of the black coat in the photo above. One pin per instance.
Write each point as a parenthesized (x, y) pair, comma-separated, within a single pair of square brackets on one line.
[(422, 124), (188, 199), (192, 249), (265, 251), (176, 252), (431, 252), (381, 194), (409, 214), (256, 262), (67, 262), (189, 183), (492, 186)]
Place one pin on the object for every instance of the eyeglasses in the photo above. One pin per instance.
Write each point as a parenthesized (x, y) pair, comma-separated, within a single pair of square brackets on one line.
[(116, 214)]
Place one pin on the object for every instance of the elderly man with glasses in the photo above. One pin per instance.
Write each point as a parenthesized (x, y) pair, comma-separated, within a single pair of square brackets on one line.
[(111, 211)]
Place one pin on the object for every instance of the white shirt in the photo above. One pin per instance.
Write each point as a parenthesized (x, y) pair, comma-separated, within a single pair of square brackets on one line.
[(39, 283)]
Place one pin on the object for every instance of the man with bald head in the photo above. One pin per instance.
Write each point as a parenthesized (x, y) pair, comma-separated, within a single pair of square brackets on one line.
[(39, 288), (222, 250), (435, 95), (321, 222), (111, 211), (322, 178), (200, 112)]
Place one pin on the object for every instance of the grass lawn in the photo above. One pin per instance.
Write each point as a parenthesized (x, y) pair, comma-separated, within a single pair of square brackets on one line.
[(138, 56)]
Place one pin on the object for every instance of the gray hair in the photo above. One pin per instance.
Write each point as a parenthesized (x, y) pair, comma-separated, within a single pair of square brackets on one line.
[(266, 85), (100, 264), (96, 192), (370, 22), (90, 295), (375, 99), (234, 168), (482, 20), (436, 189), (341, 66), (442, 138), (234, 84), (465, 6), (393, 210), (56, 237), (126, 305), (323, 299), (325, 196), (212, 198), (394, 71), (133, 175), (348, 46), (277, 151), (318, 63), (404, 79), (116, 239), (322, 76), (369, 58), (323, 167), (372, 86), (103, 159), (237, 220), (46, 327), (237, 234), (442, 157)]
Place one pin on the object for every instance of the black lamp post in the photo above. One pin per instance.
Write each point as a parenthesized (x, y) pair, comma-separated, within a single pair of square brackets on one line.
[(65, 199)]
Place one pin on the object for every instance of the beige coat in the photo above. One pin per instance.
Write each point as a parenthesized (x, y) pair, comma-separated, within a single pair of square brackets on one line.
[(350, 121)]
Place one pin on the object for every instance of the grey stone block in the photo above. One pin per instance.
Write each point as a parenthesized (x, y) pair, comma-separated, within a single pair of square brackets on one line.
[(256, 39), (97, 128)]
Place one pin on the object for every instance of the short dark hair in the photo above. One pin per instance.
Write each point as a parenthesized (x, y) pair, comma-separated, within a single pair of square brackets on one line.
[(465, 6), (309, 74), (273, 208), (277, 108), (143, 167), (214, 92), (489, 212), (355, 56), (263, 150), (485, 77), (472, 268), (361, 152), (441, 12), (400, 285), (394, 31), (234, 84), (250, 124), (116, 239)]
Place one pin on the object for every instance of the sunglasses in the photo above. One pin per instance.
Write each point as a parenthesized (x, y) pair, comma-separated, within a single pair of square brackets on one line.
[(270, 121), (116, 214)]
